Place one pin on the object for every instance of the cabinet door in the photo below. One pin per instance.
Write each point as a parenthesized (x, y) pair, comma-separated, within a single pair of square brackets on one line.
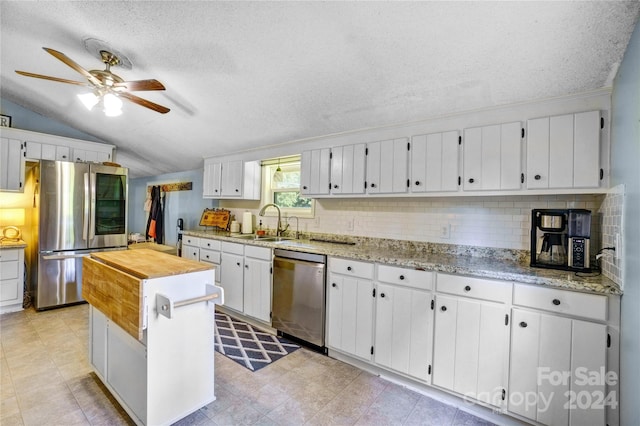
[(33, 150), (231, 279), (564, 151), (348, 169), (387, 163), (402, 330), (351, 315), (79, 155), (211, 180), (48, 152), (232, 178), (190, 252), (548, 354), (315, 167), (434, 162), (257, 289), (492, 157), (11, 165), (586, 148), (63, 153), (470, 348)]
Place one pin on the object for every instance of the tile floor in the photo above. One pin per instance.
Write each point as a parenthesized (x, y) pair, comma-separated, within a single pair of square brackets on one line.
[(46, 380)]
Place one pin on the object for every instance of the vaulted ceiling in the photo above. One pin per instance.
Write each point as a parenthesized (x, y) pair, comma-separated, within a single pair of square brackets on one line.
[(241, 75)]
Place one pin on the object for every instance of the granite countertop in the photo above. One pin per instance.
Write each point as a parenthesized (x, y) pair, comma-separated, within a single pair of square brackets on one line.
[(473, 261), (7, 243)]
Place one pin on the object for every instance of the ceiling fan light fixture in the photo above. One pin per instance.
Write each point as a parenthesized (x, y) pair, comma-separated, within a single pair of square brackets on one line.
[(112, 105), (89, 100)]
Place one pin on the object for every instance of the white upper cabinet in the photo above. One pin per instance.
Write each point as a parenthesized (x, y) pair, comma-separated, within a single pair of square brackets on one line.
[(11, 165), (492, 157), (232, 179), (564, 151), (315, 168), (387, 164), (434, 162), (348, 169)]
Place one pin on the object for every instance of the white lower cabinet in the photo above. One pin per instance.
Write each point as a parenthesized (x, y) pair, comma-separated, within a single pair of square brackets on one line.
[(403, 330), (471, 343), (350, 294), (257, 282), (559, 357), (232, 275), (11, 279)]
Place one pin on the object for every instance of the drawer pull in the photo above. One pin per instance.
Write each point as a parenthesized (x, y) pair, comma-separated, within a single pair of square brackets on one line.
[(401, 277), (443, 308), (467, 288), (381, 294), (334, 285), (238, 263), (523, 324), (471, 180), (207, 256), (246, 266), (537, 177), (348, 268), (556, 302)]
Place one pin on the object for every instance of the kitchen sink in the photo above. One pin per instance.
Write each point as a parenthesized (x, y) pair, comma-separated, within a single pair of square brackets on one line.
[(258, 238)]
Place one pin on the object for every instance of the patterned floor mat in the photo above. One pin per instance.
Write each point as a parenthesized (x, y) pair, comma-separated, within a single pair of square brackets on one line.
[(247, 345)]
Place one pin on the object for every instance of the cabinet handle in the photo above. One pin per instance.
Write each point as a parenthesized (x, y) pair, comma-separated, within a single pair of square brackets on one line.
[(537, 177), (64, 156), (523, 324), (246, 266), (467, 288), (215, 190), (334, 285), (417, 183), (471, 180), (556, 302), (238, 263), (401, 277), (381, 294), (335, 186), (443, 308), (237, 190), (207, 256), (304, 187), (373, 185), (348, 268)]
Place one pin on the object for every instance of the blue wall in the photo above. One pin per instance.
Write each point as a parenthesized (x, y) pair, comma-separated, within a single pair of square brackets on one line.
[(187, 205), (22, 118), (625, 159)]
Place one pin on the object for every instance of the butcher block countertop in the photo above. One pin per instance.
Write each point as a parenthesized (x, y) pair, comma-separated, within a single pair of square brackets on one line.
[(112, 282), (146, 264)]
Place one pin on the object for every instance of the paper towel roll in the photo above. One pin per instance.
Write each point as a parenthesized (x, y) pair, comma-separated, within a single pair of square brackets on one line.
[(247, 223)]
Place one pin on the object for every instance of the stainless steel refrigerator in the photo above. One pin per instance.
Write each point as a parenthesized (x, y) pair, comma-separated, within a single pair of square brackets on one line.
[(82, 208)]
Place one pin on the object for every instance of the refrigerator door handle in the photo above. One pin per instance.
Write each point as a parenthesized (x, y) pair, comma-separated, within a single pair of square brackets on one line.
[(92, 215), (85, 212), (65, 256)]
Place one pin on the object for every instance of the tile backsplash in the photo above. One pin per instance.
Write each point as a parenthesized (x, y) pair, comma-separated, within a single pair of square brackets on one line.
[(612, 223), (501, 221)]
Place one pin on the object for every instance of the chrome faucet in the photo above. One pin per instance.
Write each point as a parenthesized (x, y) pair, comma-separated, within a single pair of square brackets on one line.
[(279, 230), (296, 218)]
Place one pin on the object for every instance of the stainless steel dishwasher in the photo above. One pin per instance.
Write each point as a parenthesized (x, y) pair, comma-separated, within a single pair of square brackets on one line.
[(299, 296)]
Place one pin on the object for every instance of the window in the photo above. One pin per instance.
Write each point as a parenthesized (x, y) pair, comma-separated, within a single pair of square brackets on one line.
[(284, 189)]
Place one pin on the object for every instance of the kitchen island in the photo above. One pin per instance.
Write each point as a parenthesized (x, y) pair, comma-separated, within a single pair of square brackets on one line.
[(152, 331)]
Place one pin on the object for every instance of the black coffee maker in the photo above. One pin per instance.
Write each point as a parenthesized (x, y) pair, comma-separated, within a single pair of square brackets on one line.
[(560, 238)]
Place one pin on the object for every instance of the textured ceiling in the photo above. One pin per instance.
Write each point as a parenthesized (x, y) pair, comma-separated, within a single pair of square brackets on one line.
[(241, 75)]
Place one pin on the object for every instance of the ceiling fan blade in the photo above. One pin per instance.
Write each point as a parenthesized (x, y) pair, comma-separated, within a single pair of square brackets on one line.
[(46, 77), (64, 58), (140, 85), (145, 103)]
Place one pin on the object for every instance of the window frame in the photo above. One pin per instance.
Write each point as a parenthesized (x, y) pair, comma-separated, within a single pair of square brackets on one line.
[(268, 191)]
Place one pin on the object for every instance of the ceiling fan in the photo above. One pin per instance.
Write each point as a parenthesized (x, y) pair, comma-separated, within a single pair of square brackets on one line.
[(106, 85)]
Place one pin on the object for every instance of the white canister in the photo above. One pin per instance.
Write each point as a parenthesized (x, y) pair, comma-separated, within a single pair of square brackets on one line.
[(235, 227), (247, 223)]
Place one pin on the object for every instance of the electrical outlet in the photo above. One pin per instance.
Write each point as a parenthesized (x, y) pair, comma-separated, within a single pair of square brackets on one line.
[(445, 231)]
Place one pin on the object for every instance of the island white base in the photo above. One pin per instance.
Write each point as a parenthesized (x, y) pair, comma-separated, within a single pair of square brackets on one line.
[(170, 373)]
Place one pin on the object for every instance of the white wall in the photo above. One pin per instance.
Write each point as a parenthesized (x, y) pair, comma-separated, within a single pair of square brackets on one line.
[(625, 157)]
